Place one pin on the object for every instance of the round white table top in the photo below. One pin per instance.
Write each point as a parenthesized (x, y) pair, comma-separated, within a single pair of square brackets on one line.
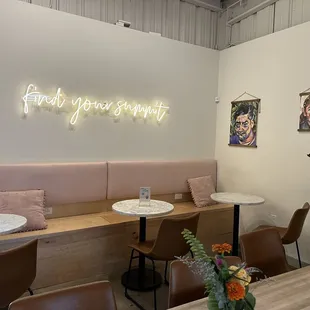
[(10, 223), (237, 198), (132, 207)]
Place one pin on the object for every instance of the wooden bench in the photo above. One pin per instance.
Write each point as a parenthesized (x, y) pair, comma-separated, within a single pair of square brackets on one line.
[(85, 248), (85, 241)]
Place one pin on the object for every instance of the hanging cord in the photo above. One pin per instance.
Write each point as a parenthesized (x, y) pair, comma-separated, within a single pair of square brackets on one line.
[(254, 97), (245, 93), (305, 92)]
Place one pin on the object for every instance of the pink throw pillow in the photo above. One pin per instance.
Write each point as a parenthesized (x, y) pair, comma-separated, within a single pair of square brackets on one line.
[(29, 204), (201, 189)]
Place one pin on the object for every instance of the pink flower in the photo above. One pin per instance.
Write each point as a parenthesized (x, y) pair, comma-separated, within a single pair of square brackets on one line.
[(219, 262)]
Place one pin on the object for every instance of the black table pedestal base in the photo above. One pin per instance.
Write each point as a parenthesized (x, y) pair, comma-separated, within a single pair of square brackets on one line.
[(147, 283), (150, 280), (235, 247)]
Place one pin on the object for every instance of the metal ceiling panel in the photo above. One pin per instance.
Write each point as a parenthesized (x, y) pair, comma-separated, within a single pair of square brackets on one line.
[(173, 19)]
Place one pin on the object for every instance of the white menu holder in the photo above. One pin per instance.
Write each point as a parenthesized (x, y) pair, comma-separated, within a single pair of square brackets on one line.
[(145, 196)]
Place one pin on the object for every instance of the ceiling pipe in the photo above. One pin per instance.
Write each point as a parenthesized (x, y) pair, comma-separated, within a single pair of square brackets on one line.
[(204, 5), (251, 11)]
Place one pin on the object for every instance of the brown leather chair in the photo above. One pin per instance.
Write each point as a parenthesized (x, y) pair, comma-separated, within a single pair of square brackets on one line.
[(93, 296), (186, 286), (18, 269), (168, 244), (292, 233), (263, 249)]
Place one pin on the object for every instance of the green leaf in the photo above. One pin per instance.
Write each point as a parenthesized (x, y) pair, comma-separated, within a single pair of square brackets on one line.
[(250, 301), (212, 302)]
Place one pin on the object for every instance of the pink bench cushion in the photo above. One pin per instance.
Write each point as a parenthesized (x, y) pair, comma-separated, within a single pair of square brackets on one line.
[(164, 177), (29, 204), (62, 183)]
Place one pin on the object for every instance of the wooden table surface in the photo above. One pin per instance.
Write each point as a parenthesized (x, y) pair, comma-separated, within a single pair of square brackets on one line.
[(289, 291)]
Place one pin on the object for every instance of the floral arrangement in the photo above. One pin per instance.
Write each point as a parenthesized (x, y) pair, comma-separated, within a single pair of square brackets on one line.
[(227, 287)]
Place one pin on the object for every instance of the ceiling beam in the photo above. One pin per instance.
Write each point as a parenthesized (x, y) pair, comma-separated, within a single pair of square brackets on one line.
[(251, 11), (204, 5)]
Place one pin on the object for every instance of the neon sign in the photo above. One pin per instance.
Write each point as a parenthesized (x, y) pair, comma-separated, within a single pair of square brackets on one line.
[(82, 106)]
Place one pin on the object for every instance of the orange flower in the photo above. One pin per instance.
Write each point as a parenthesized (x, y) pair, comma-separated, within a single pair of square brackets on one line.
[(221, 248), (235, 290)]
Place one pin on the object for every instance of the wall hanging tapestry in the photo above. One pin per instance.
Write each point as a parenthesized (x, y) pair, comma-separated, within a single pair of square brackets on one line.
[(243, 121), (304, 116)]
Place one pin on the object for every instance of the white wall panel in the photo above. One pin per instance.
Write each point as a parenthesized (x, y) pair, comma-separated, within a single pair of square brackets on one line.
[(223, 32), (46, 3), (111, 12), (264, 21), (235, 34), (149, 15), (300, 11), (139, 14), (214, 29), (103, 10), (129, 12), (118, 10), (306, 11), (173, 16), (187, 22), (247, 28), (159, 6), (207, 40), (174, 19), (69, 6), (278, 16), (92, 9), (282, 15)]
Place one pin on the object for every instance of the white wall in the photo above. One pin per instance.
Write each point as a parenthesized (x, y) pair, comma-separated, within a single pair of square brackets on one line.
[(274, 68), (88, 57)]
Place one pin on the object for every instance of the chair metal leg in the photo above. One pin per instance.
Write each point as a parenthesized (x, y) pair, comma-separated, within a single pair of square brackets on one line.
[(126, 290), (154, 277), (30, 291), (166, 269), (129, 268), (297, 248)]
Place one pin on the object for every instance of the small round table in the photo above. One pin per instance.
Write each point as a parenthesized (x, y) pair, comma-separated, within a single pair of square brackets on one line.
[(237, 199), (141, 278), (10, 223)]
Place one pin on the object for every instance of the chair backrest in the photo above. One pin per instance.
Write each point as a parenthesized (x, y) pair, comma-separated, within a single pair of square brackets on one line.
[(170, 242), (93, 296), (263, 249), (296, 224), (18, 269), (186, 286)]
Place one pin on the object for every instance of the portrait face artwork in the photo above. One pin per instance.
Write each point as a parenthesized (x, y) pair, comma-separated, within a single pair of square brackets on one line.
[(304, 117), (243, 123)]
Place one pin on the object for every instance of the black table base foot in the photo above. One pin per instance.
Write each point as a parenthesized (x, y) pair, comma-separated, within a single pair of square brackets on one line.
[(133, 282)]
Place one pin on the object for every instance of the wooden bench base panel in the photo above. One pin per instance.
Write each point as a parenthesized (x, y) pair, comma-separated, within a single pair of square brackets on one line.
[(101, 252)]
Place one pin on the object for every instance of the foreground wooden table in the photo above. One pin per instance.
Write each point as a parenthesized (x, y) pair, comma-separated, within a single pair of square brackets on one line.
[(288, 291)]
